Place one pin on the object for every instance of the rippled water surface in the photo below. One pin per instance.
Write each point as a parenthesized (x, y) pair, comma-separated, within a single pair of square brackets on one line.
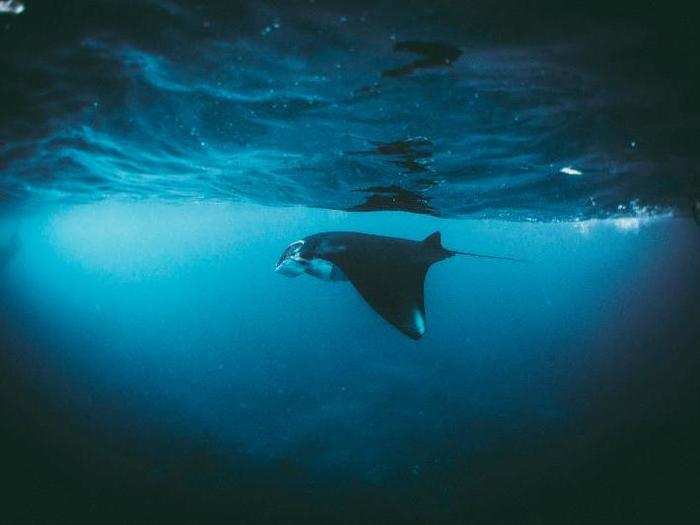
[(441, 109)]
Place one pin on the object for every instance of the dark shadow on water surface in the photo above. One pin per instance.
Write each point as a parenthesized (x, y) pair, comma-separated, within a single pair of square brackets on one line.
[(394, 198), (206, 100)]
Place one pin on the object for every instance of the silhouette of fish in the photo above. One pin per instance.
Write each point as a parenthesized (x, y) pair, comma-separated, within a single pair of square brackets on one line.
[(388, 272)]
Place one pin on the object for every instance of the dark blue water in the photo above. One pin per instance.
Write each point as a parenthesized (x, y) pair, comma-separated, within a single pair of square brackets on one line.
[(157, 157)]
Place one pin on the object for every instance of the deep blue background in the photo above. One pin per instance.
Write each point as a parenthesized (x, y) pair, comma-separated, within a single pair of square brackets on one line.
[(154, 363)]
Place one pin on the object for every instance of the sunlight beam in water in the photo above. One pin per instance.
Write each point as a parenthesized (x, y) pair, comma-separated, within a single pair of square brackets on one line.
[(130, 238)]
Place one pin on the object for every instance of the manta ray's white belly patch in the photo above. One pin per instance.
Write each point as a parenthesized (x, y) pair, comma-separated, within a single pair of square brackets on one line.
[(418, 321), (325, 270)]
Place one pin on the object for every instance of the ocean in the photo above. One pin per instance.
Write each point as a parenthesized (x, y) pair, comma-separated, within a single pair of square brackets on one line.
[(156, 159)]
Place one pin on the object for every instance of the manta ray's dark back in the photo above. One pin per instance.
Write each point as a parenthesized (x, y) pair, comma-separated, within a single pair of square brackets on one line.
[(389, 273)]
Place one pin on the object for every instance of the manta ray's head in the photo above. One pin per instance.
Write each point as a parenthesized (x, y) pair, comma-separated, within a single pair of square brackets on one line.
[(292, 262)]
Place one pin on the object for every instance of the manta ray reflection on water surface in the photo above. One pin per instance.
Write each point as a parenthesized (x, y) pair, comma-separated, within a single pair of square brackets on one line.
[(388, 272)]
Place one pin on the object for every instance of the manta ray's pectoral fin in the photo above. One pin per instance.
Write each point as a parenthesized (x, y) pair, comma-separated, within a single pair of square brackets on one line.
[(395, 292)]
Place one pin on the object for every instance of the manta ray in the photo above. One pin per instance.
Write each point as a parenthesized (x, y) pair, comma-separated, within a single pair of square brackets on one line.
[(388, 272)]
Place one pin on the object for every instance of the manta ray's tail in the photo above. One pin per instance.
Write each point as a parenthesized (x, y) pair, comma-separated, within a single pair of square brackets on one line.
[(469, 254), (434, 240)]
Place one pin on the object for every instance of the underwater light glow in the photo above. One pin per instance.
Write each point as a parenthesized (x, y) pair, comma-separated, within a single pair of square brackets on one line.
[(136, 238), (568, 170), (11, 6), (628, 223)]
